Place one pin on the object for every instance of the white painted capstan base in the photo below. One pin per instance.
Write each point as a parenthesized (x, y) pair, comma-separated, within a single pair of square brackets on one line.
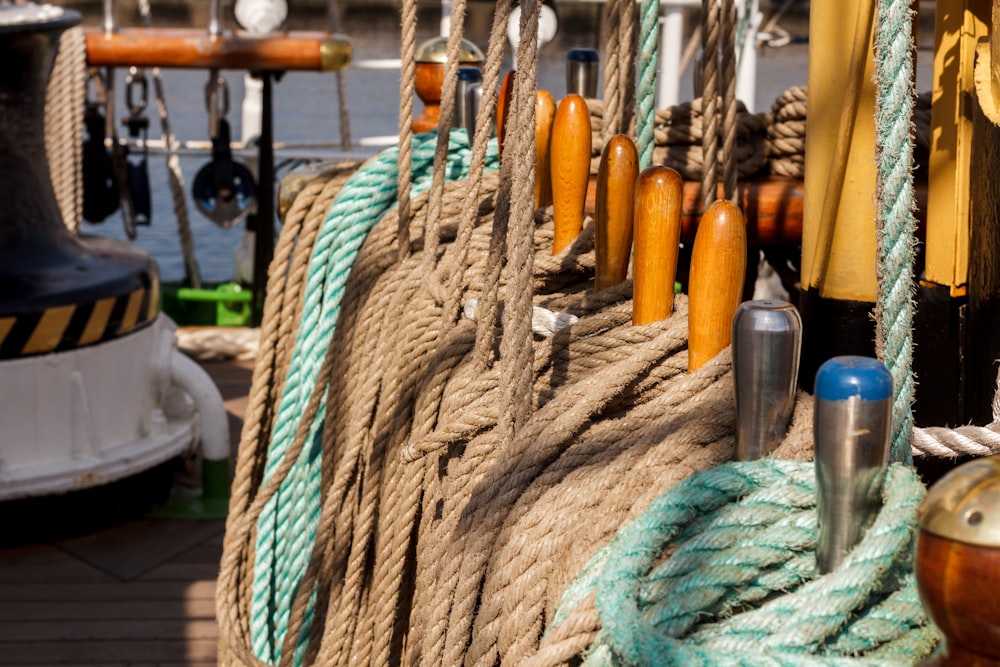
[(89, 416)]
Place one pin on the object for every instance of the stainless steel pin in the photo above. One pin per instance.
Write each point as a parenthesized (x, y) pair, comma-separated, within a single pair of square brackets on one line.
[(581, 72), (767, 337), (853, 421)]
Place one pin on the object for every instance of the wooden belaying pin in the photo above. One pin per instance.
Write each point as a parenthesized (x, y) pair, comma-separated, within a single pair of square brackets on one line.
[(545, 111), (615, 206), (504, 99), (715, 289), (767, 338), (571, 144), (852, 422), (659, 195), (958, 564)]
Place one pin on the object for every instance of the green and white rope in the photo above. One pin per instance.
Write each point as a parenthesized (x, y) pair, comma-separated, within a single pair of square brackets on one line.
[(894, 206), (649, 31), (745, 533), (287, 525)]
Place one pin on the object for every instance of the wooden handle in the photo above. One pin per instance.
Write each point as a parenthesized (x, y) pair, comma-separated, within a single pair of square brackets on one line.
[(570, 169), (545, 111), (189, 48), (503, 108), (615, 205), (718, 266), (658, 198)]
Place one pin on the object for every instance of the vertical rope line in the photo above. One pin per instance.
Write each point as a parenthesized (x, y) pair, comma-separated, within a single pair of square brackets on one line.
[(728, 46), (612, 79), (649, 47), (894, 205), (626, 70), (175, 176), (709, 100), (407, 83), (432, 226), (333, 15), (516, 351), (450, 270)]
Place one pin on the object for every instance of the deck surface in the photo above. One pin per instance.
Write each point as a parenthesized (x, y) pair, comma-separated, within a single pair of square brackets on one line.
[(117, 589)]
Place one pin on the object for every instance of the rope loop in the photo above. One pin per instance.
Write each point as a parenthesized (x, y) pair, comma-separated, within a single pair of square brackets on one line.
[(744, 534)]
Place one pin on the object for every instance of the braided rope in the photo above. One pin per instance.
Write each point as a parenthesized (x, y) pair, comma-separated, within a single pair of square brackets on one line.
[(709, 95), (649, 46), (736, 534), (895, 204), (175, 176), (729, 106), (65, 95), (284, 526)]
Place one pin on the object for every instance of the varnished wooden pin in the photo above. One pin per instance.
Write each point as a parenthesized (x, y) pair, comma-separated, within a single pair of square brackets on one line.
[(545, 111), (718, 267), (616, 179), (571, 144), (659, 197)]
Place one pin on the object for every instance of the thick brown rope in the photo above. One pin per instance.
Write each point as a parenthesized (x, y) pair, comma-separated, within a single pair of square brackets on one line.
[(407, 84), (709, 94), (729, 103), (66, 94)]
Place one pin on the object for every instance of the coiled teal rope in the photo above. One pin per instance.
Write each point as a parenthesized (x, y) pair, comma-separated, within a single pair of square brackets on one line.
[(745, 534), (894, 205), (287, 525), (649, 30)]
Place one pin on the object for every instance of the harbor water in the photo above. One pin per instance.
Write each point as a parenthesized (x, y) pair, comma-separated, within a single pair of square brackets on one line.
[(306, 109)]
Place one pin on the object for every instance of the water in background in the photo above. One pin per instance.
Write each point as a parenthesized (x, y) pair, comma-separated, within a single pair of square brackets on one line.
[(306, 109)]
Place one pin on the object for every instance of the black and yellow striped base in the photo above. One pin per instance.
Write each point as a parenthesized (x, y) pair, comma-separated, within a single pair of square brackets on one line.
[(76, 325)]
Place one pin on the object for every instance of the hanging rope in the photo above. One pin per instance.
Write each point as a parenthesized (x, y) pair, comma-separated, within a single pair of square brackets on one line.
[(649, 31), (710, 35), (65, 98), (894, 206), (175, 176)]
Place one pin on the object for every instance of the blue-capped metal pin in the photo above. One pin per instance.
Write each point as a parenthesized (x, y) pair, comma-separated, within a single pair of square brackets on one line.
[(852, 426)]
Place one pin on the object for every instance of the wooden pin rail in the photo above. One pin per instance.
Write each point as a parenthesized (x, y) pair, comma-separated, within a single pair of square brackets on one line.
[(772, 208), (196, 49)]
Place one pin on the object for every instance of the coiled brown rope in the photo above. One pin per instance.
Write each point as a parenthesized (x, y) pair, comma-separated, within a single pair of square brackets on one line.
[(678, 137)]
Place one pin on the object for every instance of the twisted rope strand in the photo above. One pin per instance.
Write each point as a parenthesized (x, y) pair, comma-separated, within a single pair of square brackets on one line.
[(895, 204)]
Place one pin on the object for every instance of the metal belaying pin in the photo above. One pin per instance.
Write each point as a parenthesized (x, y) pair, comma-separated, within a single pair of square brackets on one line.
[(581, 72), (852, 423), (767, 337), (467, 77)]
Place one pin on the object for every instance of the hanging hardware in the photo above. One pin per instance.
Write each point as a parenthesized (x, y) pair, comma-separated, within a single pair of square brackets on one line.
[(137, 165), (223, 190), (100, 190)]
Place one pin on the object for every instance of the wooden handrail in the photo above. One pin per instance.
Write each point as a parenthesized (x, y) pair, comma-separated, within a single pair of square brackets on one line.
[(196, 49)]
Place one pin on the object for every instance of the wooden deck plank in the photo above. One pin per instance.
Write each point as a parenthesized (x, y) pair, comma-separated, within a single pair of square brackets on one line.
[(132, 549), (152, 652), (137, 594), (122, 630), (134, 590), (181, 571), (71, 610), (46, 564)]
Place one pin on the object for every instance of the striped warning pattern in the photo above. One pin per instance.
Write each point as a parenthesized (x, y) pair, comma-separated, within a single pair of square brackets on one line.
[(71, 326)]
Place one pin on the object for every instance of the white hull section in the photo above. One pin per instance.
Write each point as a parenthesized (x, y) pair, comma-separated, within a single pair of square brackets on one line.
[(86, 417)]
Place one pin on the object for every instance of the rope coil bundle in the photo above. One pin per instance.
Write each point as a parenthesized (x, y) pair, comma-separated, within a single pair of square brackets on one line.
[(416, 487)]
